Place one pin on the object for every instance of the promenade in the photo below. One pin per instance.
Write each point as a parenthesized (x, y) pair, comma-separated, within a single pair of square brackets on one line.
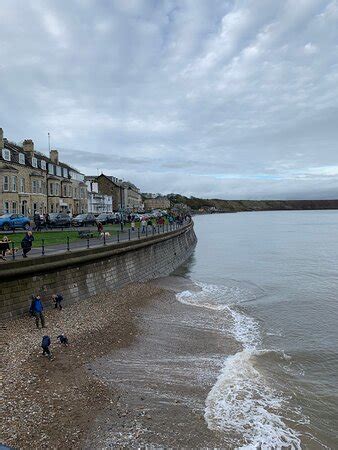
[(91, 242)]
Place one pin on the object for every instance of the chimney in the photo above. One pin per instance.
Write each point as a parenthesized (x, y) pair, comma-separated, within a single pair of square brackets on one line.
[(1, 138), (54, 156), (28, 146)]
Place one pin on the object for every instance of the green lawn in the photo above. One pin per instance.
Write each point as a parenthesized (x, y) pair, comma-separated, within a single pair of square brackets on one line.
[(57, 237), (60, 237)]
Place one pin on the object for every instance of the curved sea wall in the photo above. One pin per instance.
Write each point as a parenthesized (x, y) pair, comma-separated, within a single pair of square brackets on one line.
[(88, 272)]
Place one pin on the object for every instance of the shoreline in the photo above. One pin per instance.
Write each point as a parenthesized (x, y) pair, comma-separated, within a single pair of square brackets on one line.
[(135, 373)]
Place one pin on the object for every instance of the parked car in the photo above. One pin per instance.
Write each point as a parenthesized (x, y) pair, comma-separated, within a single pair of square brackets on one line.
[(83, 220), (59, 220), (12, 221), (105, 218)]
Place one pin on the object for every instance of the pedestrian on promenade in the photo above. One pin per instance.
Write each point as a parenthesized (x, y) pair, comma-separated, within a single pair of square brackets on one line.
[(47, 221), (37, 221), (57, 299), (36, 310), (144, 226), (99, 227), (132, 225), (45, 346), (26, 243)]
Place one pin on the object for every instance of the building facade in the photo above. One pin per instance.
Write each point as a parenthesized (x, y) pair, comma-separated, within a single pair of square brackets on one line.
[(111, 186), (159, 202), (32, 182), (97, 202), (132, 199)]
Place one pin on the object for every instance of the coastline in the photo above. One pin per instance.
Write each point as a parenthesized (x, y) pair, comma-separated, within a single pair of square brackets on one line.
[(80, 399)]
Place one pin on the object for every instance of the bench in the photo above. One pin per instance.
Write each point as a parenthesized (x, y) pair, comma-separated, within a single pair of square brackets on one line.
[(85, 234)]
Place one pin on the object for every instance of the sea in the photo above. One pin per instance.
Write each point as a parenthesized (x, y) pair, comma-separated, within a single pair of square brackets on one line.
[(272, 278)]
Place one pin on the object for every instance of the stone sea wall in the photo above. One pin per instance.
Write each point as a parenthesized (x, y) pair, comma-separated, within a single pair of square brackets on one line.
[(87, 272)]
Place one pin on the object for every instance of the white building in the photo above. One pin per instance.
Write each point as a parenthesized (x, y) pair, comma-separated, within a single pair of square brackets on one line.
[(97, 203)]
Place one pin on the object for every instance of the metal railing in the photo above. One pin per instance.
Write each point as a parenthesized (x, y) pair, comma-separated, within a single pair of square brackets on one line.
[(102, 239)]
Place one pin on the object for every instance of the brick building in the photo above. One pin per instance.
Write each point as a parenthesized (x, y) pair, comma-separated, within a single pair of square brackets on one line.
[(111, 186)]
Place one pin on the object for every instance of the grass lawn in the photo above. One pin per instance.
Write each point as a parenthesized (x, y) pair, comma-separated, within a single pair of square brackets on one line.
[(57, 236), (60, 237)]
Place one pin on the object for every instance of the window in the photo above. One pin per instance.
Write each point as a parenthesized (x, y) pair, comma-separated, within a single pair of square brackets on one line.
[(34, 186), (14, 183), (21, 158), (34, 162), (65, 172), (51, 169), (51, 188), (6, 154), (43, 164), (76, 176), (58, 171), (6, 183), (6, 207), (22, 185), (14, 208)]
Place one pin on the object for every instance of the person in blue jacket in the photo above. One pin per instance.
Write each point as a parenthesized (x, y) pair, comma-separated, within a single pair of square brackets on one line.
[(45, 346), (36, 309)]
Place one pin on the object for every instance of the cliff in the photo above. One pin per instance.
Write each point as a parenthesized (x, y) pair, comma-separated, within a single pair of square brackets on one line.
[(217, 205)]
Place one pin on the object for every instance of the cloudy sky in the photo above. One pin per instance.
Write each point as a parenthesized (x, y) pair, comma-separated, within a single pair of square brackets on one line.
[(212, 98)]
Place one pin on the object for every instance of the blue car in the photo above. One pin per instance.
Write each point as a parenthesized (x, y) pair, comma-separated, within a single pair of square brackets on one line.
[(11, 221)]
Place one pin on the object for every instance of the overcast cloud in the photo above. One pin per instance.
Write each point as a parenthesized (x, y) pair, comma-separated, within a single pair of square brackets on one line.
[(212, 98)]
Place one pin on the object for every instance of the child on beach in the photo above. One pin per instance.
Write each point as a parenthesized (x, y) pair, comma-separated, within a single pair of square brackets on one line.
[(45, 346), (63, 340), (57, 299)]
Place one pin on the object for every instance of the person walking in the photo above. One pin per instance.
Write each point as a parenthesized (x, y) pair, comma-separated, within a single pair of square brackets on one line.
[(26, 243), (99, 227), (45, 346), (36, 309), (47, 221), (37, 221), (143, 225)]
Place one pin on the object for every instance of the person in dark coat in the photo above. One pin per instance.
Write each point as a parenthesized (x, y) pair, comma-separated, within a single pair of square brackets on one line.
[(63, 340), (36, 310), (26, 243), (37, 221), (45, 346)]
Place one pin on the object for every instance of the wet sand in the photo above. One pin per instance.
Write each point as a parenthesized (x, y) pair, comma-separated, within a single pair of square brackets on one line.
[(137, 372), (163, 377)]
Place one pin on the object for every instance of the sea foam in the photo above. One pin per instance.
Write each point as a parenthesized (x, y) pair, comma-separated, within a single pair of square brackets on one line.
[(241, 403)]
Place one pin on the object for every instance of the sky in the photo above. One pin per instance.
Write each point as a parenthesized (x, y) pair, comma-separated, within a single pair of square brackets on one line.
[(211, 98)]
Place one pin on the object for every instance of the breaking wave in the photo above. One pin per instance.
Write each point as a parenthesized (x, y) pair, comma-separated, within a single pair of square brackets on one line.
[(241, 403)]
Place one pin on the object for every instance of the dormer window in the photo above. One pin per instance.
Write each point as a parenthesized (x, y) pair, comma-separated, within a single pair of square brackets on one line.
[(43, 164), (51, 169), (58, 171), (34, 162), (6, 154), (65, 172), (22, 158)]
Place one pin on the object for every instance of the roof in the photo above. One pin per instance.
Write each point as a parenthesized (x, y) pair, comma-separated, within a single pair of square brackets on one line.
[(16, 149)]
